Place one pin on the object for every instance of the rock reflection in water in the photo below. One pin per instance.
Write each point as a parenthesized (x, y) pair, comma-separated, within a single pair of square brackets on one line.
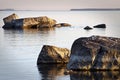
[(39, 30), (28, 30), (51, 71), (96, 75)]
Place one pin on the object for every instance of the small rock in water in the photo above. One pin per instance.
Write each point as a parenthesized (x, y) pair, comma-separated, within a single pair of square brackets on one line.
[(100, 26), (88, 28)]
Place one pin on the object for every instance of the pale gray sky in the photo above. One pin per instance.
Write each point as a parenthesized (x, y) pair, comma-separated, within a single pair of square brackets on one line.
[(58, 4)]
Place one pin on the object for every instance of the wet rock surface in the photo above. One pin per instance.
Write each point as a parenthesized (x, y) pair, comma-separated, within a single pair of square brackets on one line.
[(53, 54), (88, 28), (13, 21), (95, 53), (9, 18), (100, 26)]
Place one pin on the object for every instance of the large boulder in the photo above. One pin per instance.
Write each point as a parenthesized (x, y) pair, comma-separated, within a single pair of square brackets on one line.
[(100, 26), (13, 21), (52, 54), (95, 53)]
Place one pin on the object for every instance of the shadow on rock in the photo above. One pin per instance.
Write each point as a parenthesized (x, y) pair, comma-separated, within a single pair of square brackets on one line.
[(51, 71)]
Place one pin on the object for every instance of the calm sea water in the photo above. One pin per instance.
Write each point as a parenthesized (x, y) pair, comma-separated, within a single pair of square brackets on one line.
[(19, 49)]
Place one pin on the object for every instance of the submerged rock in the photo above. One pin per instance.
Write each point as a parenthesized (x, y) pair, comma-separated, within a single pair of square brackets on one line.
[(100, 26), (52, 54), (95, 52)]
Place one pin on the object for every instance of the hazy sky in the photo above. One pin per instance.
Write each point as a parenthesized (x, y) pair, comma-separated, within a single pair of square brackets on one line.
[(58, 4)]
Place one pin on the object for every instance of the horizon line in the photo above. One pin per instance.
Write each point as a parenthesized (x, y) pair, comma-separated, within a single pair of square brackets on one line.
[(73, 9)]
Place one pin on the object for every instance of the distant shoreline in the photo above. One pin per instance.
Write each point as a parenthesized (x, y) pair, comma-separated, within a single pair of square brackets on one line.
[(84, 9), (116, 9), (33, 10)]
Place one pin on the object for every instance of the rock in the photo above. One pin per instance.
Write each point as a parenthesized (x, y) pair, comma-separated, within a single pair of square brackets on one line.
[(52, 54), (8, 26), (100, 26), (62, 25), (65, 24), (8, 21), (10, 18), (46, 22), (57, 25), (32, 22), (87, 28), (95, 53), (35, 22)]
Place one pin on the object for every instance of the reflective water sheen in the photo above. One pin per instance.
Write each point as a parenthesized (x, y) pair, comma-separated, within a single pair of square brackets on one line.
[(98, 75), (19, 49)]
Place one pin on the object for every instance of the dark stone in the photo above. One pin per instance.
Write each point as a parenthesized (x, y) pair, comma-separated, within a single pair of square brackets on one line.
[(95, 53), (100, 26), (88, 28), (65, 24), (9, 18), (8, 26), (52, 54)]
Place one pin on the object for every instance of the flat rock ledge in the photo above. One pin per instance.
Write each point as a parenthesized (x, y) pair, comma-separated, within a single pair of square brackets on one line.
[(53, 54), (95, 53)]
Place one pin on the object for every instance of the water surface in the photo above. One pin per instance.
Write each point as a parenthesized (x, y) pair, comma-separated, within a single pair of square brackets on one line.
[(19, 49)]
